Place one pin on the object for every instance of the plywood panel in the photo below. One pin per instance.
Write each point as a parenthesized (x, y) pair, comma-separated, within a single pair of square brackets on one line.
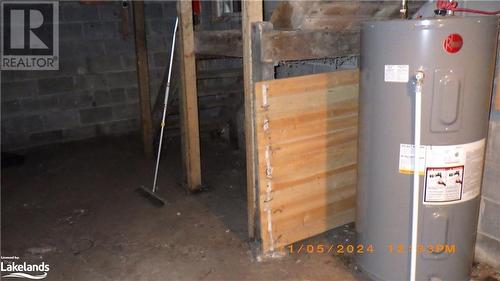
[(306, 139)]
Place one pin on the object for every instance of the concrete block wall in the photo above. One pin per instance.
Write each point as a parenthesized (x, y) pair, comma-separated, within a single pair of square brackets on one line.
[(488, 237), (95, 91), (488, 232)]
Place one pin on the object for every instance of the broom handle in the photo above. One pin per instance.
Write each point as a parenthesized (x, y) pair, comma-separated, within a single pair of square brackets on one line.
[(167, 91)]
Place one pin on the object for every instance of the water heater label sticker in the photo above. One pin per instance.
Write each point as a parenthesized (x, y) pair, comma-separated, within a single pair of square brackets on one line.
[(407, 156), (443, 184), (473, 169), (453, 173), (397, 73)]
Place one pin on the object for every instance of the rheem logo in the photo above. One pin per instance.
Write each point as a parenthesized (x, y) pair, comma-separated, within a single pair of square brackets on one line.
[(30, 35), (453, 43)]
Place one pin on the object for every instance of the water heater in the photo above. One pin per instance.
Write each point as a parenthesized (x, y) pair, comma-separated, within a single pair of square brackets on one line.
[(449, 62)]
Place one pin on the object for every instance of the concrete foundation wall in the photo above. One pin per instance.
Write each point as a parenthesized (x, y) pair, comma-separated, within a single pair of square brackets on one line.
[(488, 238), (95, 91)]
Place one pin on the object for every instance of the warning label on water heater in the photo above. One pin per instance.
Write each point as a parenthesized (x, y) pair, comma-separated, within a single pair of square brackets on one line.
[(443, 184), (453, 173)]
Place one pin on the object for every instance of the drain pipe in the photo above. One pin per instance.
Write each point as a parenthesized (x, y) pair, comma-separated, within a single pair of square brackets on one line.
[(416, 174)]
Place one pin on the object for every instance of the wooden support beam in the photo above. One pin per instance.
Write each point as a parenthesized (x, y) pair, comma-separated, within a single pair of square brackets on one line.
[(252, 11), (143, 76), (308, 44), (218, 43), (189, 99), (333, 15), (307, 30), (497, 95), (263, 68)]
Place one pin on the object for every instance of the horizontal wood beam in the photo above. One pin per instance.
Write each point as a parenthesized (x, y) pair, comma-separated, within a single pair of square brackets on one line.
[(308, 44), (226, 43), (332, 15)]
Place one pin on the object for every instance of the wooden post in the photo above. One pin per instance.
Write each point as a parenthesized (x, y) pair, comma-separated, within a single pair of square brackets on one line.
[(189, 98), (252, 12), (143, 76), (497, 95), (262, 66)]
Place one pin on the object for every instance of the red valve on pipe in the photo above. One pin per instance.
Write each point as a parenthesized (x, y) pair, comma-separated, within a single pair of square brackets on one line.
[(453, 6)]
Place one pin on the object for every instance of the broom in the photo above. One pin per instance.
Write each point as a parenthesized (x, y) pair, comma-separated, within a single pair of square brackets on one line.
[(150, 194)]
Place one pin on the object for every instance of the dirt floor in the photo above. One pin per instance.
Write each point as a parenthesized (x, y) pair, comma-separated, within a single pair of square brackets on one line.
[(73, 206)]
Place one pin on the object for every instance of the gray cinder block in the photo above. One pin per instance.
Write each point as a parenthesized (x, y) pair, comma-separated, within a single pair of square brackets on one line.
[(123, 78), (37, 104), (74, 11), (76, 100), (90, 82), (117, 127), (96, 115), (70, 31), (61, 119), (105, 64), (132, 94), (49, 86), (20, 125), (488, 250), (126, 111), (110, 11), (489, 222), (79, 133), (18, 89), (105, 97), (101, 30), (46, 137), (120, 47), (153, 9), (10, 107), (96, 85)]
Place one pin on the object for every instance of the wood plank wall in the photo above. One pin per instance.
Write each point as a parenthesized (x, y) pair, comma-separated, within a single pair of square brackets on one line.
[(306, 130)]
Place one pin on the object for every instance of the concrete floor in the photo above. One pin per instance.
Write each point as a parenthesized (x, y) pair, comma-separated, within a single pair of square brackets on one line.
[(74, 207)]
